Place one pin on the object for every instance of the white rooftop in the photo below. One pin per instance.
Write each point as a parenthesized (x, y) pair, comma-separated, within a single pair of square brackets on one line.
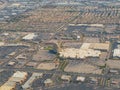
[(19, 74), (86, 50), (30, 36), (82, 79), (116, 53)]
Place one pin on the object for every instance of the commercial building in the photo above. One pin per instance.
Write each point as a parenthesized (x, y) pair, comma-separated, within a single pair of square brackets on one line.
[(80, 79), (48, 82), (86, 50), (30, 36), (116, 51), (66, 78), (11, 63)]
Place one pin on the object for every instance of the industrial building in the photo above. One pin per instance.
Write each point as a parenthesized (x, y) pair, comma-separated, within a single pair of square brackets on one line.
[(80, 79), (66, 78), (116, 52), (48, 82), (59, 44), (30, 36), (86, 50), (29, 82), (17, 77)]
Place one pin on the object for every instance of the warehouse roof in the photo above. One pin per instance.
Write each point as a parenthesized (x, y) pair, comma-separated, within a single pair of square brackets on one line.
[(79, 53), (32, 78), (86, 50), (30, 36), (19, 74), (48, 81), (6, 87), (79, 78), (11, 83), (66, 77), (116, 53)]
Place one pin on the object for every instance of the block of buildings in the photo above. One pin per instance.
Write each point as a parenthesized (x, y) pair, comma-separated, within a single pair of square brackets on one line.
[(86, 50), (29, 82), (17, 77)]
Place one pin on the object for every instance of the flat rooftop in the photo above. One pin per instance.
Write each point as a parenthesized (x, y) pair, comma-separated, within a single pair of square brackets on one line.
[(86, 50)]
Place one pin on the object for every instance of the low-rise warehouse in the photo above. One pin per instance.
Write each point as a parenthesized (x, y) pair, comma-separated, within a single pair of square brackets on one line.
[(48, 82), (86, 50), (116, 51), (81, 79), (66, 77), (18, 77), (30, 36), (28, 83)]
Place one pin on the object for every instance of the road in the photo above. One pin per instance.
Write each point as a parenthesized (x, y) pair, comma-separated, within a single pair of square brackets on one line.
[(31, 70)]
